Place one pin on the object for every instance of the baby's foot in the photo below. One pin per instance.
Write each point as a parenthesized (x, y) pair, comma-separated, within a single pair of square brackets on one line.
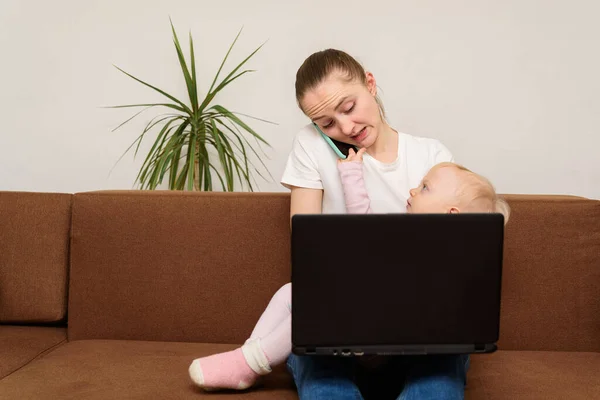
[(229, 370)]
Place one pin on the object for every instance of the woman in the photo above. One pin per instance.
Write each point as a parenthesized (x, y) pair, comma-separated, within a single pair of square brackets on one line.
[(340, 97)]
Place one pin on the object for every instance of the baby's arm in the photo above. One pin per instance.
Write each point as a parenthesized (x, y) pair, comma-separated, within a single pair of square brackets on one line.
[(355, 192)]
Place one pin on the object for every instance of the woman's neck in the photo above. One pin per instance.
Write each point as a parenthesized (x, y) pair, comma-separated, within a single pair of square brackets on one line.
[(385, 148)]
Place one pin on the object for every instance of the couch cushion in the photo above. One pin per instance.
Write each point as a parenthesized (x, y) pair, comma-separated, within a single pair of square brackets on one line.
[(101, 369), (551, 274), (34, 254), (531, 375), (21, 344), (173, 266)]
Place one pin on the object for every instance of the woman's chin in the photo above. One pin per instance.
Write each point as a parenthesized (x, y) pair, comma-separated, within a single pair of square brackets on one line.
[(368, 141)]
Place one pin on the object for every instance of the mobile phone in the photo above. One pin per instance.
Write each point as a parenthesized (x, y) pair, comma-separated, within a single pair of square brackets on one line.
[(341, 149)]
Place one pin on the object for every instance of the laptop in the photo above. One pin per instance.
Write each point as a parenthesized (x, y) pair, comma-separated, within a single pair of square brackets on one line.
[(393, 284)]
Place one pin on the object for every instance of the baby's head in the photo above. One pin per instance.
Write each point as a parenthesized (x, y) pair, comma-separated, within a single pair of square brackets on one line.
[(452, 188)]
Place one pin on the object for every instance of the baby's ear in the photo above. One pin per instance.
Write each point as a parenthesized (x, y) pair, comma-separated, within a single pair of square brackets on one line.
[(453, 210)]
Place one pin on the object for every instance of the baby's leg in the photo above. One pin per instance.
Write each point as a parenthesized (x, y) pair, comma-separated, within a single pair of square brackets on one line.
[(269, 345), (278, 309), (277, 345)]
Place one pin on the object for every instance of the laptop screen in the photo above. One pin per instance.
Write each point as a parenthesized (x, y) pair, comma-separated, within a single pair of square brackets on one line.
[(396, 279)]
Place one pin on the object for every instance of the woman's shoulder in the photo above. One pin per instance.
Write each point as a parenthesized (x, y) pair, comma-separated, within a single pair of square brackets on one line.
[(310, 161), (307, 134), (309, 141)]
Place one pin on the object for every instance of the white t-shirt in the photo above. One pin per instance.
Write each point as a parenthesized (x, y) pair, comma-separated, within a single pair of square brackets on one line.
[(313, 164)]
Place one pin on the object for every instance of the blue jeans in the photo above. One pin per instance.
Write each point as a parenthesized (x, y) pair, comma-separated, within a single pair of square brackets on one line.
[(402, 377)]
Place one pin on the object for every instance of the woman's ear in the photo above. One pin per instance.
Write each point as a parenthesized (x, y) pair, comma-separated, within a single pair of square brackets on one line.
[(453, 210), (371, 83)]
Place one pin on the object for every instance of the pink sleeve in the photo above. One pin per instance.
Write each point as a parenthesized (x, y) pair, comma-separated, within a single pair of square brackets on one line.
[(355, 192)]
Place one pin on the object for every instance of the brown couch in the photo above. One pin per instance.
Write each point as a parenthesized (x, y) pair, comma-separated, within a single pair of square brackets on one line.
[(110, 295)]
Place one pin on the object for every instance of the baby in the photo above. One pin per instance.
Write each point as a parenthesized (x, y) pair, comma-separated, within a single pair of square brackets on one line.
[(447, 188)]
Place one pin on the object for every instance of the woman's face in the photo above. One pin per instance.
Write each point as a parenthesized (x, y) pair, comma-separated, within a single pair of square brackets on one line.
[(345, 111)]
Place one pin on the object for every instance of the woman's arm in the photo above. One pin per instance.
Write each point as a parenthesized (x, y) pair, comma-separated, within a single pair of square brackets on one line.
[(305, 201)]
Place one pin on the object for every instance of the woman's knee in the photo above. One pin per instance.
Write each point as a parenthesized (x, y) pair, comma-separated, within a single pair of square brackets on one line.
[(324, 377), (315, 367), (440, 377)]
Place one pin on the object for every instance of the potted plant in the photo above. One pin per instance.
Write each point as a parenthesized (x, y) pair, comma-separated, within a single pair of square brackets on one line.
[(197, 132)]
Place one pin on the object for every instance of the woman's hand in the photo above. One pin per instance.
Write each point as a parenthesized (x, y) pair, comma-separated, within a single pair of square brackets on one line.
[(354, 156)]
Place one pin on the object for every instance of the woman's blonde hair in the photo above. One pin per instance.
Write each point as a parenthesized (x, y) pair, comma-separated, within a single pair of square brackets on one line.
[(478, 193), (321, 64)]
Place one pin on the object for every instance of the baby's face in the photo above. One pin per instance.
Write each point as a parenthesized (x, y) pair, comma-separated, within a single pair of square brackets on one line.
[(437, 192)]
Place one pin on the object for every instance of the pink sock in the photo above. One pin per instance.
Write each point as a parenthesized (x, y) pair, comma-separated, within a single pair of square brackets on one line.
[(238, 369)]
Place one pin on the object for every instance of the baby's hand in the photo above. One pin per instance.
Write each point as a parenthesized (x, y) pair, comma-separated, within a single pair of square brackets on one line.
[(354, 156)]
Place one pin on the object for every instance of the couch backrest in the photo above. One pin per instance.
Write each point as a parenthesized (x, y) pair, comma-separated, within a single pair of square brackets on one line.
[(551, 277), (34, 254), (175, 266), (203, 266)]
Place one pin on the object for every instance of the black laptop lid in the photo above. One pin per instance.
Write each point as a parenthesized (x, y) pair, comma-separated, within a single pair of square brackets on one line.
[(396, 279)]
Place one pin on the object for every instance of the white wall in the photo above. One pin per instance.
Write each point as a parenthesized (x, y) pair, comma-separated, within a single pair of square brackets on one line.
[(510, 87)]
